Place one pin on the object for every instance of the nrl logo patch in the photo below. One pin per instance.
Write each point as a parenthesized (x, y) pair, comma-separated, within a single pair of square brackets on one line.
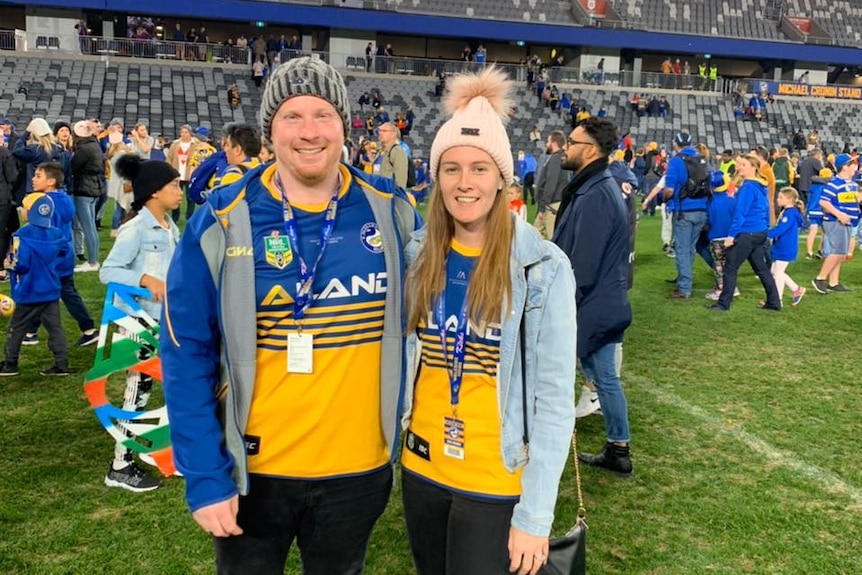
[(276, 248), (469, 131), (297, 80)]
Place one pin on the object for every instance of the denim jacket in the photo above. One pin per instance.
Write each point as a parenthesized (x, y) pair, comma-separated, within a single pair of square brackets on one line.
[(142, 246), (550, 348)]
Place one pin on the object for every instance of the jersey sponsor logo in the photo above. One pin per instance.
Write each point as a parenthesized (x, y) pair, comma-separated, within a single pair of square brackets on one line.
[(373, 283), (276, 248), (371, 238), (491, 331), (252, 444)]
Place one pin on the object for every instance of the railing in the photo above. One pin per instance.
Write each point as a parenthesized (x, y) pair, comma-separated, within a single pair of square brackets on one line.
[(164, 50), (7, 39)]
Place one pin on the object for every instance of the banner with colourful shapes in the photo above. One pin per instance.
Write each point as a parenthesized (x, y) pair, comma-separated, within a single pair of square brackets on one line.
[(128, 341)]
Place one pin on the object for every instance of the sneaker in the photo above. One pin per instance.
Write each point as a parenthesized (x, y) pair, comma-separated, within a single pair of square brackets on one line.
[(54, 371), (87, 267), (30, 339), (81, 258), (114, 233), (588, 403), (820, 286), (819, 255), (87, 338), (8, 369), (809, 256), (670, 253), (716, 307), (676, 294), (713, 294), (4, 278), (797, 296), (838, 288), (613, 458), (736, 292), (132, 478)]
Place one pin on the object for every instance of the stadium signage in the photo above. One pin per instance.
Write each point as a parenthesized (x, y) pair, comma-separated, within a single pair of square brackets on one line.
[(813, 91)]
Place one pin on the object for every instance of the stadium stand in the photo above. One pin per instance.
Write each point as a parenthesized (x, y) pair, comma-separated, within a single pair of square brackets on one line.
[(842, 19), (535, 11), (730, 18), (166, 95)]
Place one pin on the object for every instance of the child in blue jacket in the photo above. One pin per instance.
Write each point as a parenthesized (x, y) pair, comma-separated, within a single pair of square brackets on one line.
[(37, 248), (785, 242), (48, 179), (719, 215), (815, 212)]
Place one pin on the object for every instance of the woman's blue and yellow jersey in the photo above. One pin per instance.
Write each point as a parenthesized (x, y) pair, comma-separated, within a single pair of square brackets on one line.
[(476, 468), (326, 423)]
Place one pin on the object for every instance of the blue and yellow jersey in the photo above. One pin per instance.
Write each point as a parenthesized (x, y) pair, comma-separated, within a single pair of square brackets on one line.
[(234, 172), (844, 196), (481, 471), (326, 423)]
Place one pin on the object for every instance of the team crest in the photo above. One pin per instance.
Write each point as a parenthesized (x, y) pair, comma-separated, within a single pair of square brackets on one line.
[(371, 238), (277, 250)]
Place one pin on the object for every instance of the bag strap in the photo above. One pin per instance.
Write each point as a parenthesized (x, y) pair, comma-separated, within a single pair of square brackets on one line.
[(582, 511)]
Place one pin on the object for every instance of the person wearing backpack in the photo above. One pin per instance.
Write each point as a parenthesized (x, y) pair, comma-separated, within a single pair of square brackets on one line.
[(686, 193), (393, 159)]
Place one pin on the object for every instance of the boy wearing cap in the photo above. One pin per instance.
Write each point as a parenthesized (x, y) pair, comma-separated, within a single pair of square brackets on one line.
[(32, 265), (276, 293), (840, 203), (48, 179)]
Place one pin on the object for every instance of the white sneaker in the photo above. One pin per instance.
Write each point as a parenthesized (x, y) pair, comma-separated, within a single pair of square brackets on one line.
[(736, 292), (588, 403), (713, 294), (87, 267)]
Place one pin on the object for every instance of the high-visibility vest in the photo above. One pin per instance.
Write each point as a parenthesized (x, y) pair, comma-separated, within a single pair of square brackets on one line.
[(701, 70), (713, 73)]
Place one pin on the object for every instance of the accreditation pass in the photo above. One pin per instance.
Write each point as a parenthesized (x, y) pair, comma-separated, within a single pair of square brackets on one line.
[(300, 352)]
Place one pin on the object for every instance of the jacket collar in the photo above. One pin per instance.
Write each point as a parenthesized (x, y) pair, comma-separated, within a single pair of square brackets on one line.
[(528, 246)]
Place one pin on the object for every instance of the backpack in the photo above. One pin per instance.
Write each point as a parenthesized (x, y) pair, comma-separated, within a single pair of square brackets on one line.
[(411, 171), (697, 178)]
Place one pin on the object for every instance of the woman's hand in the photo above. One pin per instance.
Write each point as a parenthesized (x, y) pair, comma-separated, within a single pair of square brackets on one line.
[(527, 553), (155, 286)]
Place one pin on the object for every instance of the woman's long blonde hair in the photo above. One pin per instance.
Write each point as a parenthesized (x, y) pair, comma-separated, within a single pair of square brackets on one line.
[(490, 283), (47, 143)]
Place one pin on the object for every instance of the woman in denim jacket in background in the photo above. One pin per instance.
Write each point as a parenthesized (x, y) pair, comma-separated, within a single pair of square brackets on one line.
[(477, 497), (139, 258)]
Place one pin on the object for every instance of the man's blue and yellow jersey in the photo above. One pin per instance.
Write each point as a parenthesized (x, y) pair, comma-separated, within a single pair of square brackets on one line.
[(326, 423), (234, 172), (480, 471), (844, 196)]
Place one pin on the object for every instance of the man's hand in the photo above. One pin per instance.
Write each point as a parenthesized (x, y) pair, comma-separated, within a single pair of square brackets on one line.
[(527, 553), (728, 242), (219, 519), (843, 218)]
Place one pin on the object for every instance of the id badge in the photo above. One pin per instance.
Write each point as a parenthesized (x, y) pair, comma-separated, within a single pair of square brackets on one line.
[(453, 437), (375, 168), (300, 352)]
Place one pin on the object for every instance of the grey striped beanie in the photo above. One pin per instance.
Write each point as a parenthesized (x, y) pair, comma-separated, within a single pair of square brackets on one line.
[(304, 76)]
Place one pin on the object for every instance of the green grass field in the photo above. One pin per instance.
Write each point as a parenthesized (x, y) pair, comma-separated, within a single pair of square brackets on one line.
[(742, 428)]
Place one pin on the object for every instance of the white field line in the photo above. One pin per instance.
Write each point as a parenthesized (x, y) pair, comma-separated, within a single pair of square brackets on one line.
[(829, 481)]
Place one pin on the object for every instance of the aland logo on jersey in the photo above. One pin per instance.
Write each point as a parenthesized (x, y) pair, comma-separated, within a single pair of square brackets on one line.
[(276, 248)]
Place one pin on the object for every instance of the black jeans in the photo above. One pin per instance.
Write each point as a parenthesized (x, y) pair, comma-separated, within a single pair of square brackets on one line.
[(74, 304), (453, 534), (331, 519), (190, 205), (751, 247), (23, 316)]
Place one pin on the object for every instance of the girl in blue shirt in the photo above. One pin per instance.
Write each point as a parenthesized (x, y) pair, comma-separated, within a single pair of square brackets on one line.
[(785, 242), (142, 251)]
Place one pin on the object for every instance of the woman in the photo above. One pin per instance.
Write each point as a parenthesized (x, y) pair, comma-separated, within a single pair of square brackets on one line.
[(36, 148), (63, 135), (119, 190), (477, 499), (88, 169), (747, 236)]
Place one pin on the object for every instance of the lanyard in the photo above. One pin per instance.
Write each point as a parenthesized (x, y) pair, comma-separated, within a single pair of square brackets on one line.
[(303, 298), (456, 371)]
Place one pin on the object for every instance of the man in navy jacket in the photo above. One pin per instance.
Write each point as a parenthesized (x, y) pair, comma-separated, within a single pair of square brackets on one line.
[(592, 228)]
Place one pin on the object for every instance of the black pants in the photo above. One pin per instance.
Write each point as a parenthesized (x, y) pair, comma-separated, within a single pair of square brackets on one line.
[(529, 190), (74, 304), (331, 519), (23, 316), (751, 247), (190, 205), (453, 534)]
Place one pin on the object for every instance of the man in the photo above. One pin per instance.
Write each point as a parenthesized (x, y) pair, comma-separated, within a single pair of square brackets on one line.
[(142, 141), (727, 165), (593, 231), (688, 215), (233, 96), (393, 159), (782, 169), (549, 188), (278, 434), (241, 147), (527, 173), (840, 203), (369, 56), (183, 155), (809, 167)]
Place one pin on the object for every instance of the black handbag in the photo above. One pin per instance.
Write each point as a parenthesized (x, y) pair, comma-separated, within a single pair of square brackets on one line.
[(567, 555)]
